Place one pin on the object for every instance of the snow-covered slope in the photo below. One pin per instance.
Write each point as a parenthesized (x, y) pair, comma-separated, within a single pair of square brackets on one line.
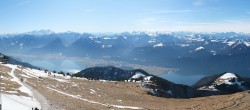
[(227, 82), (156, 86), (14, 92), (15, 102), (225, 78)]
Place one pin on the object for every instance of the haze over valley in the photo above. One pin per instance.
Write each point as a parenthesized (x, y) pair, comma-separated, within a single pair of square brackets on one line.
[(184, 56), (126, 54)]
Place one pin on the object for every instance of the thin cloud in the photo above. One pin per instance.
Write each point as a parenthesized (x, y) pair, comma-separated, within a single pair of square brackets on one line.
[(22, 3), (198, 23), (198, 3), (176, 11), (213, 27), (147, 21), (224, 26), (152, 21), (19, 4), (248, 12), (170, 11), (236, 20), (233, 21)]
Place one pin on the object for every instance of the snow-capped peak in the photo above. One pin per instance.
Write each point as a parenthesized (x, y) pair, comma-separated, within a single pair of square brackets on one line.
[(228, 82), (231, 79), (228, 76), (40, 32), (226, 79)]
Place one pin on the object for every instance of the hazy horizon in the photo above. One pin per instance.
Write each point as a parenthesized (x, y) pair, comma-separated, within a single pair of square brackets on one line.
[(20, 16), (56, 32)]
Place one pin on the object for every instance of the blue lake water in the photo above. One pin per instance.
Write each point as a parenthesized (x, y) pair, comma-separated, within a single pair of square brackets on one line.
[(182, 79), (76, 66)]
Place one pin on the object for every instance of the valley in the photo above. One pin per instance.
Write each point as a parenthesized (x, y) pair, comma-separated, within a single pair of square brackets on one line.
[(189, 55)]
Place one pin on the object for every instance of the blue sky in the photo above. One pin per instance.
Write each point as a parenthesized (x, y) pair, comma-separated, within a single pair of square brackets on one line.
[(124, 15)]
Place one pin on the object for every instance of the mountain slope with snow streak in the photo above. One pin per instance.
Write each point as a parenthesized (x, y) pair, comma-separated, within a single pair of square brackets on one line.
[(227, 82), (22, 76), (67, 93), (20, 96)]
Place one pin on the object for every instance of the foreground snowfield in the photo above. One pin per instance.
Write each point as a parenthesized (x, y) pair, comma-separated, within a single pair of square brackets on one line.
[(30, 101), (16, 102)]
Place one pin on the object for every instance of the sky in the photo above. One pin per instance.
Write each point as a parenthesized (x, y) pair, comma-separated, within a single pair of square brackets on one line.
[(17, 16)]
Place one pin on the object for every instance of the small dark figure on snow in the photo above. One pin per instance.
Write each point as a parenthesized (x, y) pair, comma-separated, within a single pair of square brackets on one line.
[(35, 108)]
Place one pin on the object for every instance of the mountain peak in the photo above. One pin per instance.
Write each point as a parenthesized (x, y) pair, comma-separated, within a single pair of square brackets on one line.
[(57, 45), (227, 82), (228, 76), (59, 40), (40, 32)]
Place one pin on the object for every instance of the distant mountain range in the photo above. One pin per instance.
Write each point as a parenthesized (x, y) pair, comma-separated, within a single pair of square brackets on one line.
[(191, 53)]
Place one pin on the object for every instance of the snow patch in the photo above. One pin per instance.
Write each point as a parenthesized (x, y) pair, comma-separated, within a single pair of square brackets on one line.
[(92, 91), (152, 41), (184, 45), (60, 80), (99, 42), (214, 41), (13, 102), (228, 75), (247, 44), (213, 52), (108, 38), (138, 75), (199, 48), (147, 78), (170, 92), (106, 46), (158, 45), (15, 79), (34, 72), (230, 43)]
